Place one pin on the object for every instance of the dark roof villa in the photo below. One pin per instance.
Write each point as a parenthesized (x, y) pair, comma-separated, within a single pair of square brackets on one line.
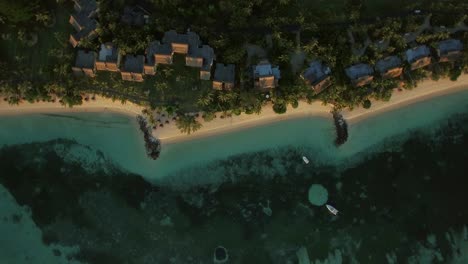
[(180, 42), (317, 76), (389, 67), (360, 74), (418, 57), (108, 58), (224, 77), (201, 57), (83, 20), (133, 68), (449, 50), (84, 64), (266, 76)]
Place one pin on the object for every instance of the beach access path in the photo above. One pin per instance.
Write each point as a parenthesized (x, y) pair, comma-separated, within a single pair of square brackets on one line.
[(171, 134)]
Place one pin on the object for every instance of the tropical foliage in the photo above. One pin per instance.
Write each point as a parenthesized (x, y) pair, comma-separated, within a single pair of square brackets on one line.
[(188, 124)]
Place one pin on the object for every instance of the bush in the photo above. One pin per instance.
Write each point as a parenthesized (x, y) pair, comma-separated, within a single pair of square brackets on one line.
[(295, 104), (279, 108), (367, 104), (208, 116)]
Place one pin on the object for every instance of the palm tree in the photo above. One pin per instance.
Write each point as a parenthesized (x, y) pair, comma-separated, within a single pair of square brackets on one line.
[(205, 99), (224, 97), (188, 124)]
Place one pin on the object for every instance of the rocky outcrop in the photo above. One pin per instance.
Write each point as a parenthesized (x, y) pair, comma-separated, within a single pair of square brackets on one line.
[(152, 144)]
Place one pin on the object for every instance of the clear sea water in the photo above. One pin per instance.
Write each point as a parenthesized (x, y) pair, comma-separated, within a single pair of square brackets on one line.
[(72, 192)]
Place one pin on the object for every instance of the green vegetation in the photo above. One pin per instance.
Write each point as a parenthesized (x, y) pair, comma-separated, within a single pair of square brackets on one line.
[(188, 124), (36, 58)]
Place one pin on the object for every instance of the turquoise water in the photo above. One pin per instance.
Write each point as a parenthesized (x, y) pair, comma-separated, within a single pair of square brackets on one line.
[(399, 183), (119, 139)]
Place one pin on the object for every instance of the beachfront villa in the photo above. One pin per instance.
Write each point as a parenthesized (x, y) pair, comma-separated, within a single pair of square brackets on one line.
[(224, 77), (449, 50), (201, 57), (180, 43), (265, 76), (83, 20), (150, 58), (133, 68), (189, 44), (108, 58), (161, 53), (389, 67), (84, 64), (317, 76), (418, 57), (360, 74)]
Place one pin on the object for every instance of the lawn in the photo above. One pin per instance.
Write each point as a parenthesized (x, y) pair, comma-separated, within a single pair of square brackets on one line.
[(37, 57), (174, 84), (177, 84)]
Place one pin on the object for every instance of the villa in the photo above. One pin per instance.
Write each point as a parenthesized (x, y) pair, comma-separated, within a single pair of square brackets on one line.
[(201, 57), (360, 74), (83, 20), (133, 68), (389, 67), (150, 60), (108, 58), (224, 77), (162, 53), (449, 50), (317, 76), (418, 57), (189, 44), (84, 64), (180, 43), (265, 76)]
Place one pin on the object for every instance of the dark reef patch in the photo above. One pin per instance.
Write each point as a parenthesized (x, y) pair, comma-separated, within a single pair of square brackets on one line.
[(260, 212)]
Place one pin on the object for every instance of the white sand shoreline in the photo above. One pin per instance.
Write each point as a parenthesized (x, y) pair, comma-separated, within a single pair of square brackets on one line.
[(170, 134)]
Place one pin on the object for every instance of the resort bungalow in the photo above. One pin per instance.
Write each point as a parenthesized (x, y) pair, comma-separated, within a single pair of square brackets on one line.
[(180, 43), (84, 64), (162, 53), (317, 76), (133, 68), (108, 58), (449, 50), (389, 67), (201, 57), (224, 77), (360, 74), (265, 76), (418, 57), (150, 62), (83, 21)]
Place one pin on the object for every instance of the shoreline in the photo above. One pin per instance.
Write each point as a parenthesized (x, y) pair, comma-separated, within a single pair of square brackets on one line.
[(170, 134), (101, 104), (425, 90)]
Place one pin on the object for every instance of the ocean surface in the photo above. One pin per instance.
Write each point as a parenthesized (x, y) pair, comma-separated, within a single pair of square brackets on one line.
[(78, 188)]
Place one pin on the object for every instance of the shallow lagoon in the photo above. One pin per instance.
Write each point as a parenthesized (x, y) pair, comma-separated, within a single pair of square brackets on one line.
[(119, 139)]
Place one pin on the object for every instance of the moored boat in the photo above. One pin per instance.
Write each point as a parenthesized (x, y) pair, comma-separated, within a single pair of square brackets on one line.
[(332, 209), (305, 159)]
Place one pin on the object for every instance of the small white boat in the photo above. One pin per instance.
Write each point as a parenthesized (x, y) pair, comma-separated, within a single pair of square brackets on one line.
[(332, 209), (305, 159)]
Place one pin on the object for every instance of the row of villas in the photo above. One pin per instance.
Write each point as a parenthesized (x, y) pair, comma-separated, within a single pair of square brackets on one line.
[(266, 76), (133, 67), (318, 74), (417, 58)]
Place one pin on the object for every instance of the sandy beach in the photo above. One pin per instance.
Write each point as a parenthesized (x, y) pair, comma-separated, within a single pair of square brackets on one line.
[(170, 133), (425, 90), (99, 104)]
